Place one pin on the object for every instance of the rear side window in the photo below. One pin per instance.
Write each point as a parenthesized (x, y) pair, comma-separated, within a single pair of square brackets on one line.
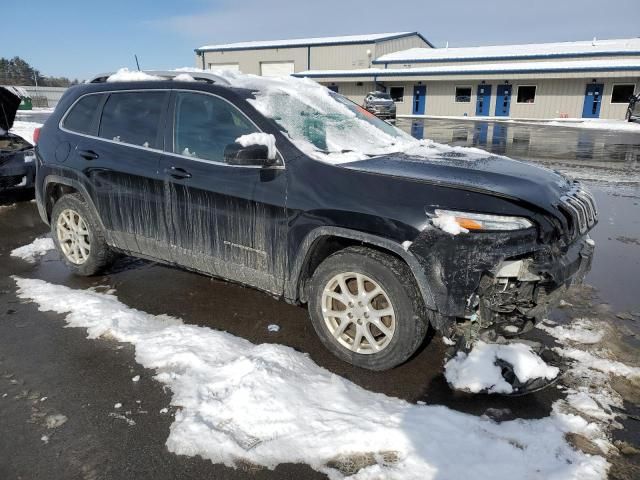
[(204, 125), (133, 117), (80, 117)]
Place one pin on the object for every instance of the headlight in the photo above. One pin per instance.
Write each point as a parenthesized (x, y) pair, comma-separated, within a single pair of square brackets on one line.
[(461, 222)]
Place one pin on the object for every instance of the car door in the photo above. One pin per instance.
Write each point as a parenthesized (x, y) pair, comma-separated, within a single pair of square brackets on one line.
[(122, 167), (223, 219)]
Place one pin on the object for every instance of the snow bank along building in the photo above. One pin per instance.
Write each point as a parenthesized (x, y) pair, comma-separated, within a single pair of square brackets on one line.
[(586, 79)]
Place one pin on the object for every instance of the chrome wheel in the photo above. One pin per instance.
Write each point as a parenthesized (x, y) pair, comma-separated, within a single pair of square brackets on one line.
[(358, 313), (73, 236)]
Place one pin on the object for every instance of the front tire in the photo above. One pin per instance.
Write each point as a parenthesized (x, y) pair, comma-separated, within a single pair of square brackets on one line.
[(366, 308), (78, 236)]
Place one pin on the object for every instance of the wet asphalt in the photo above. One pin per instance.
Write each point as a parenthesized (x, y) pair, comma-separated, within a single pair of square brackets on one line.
[(83, 379)]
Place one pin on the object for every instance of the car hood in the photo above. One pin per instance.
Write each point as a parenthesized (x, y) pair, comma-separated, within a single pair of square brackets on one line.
[(492, 174), (9, 103)]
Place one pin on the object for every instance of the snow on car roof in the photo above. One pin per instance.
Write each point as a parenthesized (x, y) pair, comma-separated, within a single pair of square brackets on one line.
[(461, 69), (534, 50), (305, 41)]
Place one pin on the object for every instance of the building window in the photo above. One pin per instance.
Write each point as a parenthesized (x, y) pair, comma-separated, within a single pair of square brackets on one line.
[(397, 94), (526, 94), (622, 93), (463, 94)]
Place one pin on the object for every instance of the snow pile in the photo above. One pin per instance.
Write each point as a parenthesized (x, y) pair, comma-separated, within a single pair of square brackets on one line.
[(330, 128), (477, 371), (126, 75), (36, 249), (259, 138), (268, 404), (25, 129), (596, 124), (448, 224), (184, 77)]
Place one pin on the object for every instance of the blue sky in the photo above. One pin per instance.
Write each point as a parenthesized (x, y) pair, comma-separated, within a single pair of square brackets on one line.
[(79, 38)]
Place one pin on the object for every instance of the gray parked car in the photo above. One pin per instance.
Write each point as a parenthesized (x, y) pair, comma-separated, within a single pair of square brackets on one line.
[(380, 104), (633, 112)]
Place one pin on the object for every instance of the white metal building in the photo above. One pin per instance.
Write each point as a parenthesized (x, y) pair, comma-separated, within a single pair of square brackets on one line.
[(590, 79), (285, 57)]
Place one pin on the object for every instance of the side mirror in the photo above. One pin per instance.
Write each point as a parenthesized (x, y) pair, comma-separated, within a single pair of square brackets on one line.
[(236, 154)]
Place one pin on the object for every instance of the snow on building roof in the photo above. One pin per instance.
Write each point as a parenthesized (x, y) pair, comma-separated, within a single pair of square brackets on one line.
[(625, 46), (603, 65), (304, 42)]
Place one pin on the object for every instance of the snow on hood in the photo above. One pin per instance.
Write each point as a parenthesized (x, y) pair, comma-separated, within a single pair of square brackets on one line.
[(9, 103), (328, 127)]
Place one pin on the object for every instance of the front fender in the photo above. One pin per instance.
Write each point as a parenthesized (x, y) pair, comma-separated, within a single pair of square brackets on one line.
[(292, 288)]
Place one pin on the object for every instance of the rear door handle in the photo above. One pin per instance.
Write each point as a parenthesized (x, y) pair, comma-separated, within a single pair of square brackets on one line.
[(88, 154), (177, 172)]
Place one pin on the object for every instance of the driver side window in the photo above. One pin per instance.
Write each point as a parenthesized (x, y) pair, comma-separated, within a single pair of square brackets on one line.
[(204, 125)]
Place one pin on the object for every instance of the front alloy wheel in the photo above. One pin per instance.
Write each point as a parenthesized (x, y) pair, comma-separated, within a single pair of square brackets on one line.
[(73, 236), (358, 313), (366, 308)]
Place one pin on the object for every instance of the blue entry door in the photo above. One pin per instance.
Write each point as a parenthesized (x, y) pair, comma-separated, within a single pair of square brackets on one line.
[(419, 99), (503, 100), (483, 101), (592, 100)]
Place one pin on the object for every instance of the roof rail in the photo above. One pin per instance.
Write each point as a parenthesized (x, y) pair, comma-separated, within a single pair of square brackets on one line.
[(200, 75)]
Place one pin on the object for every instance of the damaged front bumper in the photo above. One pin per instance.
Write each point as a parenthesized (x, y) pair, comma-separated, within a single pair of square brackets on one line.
[(487, 285), (522, 292)]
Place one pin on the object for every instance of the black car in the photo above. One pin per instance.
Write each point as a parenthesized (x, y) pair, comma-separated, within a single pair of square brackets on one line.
[(289, 188), (17, 159)]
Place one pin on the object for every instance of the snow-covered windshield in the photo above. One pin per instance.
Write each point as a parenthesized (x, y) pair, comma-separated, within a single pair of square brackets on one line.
[(329, 127)]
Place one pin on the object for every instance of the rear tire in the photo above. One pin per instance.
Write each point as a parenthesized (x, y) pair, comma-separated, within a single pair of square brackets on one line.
[(78, 236), (380, 321)]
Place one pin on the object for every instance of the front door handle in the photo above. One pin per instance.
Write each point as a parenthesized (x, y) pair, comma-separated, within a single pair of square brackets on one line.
[(88, 154), (177, 172)]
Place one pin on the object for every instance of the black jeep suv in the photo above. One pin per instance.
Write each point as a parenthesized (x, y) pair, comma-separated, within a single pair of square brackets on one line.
[(285, 186)]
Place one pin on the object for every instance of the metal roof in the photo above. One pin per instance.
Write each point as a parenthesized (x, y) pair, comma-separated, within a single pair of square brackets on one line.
[(603, 65), (591, 48), (310, 42)]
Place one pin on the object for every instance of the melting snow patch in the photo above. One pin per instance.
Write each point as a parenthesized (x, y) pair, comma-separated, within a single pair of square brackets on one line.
[(448, 224), (136, 378), (55, 421), (259, 138), (273, 328), (477, 371), (268, 404), (117, 405), (35, 249), (579, 331), (604, 365)]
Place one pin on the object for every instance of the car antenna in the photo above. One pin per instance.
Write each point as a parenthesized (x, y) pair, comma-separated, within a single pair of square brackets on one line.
[(137, 64)]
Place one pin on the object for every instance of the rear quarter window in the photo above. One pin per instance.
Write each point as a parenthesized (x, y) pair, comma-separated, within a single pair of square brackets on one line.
[(133, 118), (80, 117)]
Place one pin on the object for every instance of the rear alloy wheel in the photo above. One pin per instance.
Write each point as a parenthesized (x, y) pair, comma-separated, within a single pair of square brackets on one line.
[(73, 236), (78, 236), (366, 308)]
